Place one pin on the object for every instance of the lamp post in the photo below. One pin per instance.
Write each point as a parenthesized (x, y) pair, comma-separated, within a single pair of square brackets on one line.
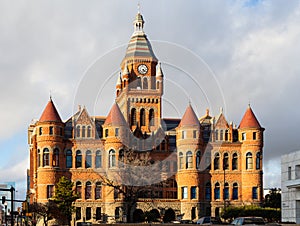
[(5, 213)]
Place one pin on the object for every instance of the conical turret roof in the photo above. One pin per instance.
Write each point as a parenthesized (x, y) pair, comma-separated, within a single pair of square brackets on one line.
[(50, 113), (115, 116), (189, 118), (249, 120)]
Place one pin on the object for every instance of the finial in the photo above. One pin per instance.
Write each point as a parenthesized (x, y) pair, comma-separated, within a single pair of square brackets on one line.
[(50, 95), (139, 7), (207, 112), (221, 109)]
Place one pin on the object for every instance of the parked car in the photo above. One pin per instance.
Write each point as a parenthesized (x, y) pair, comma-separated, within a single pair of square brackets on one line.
[(248, 220), (209, 220)]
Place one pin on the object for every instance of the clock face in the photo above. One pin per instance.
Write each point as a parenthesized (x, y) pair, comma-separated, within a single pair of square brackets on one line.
[(143, 69)]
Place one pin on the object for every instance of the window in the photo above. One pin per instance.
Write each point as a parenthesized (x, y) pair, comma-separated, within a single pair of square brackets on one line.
[(180, 160), (40, 130), (77, 131), (289, 173), (38, 158), (254, 135), (175, 166), (167, 166), (297, 171), (83, 131), (116, 193), (226, 135), (249, 161), (112, 158), (217, 191), (243, 136), (69, 159), (88, 213), (121, 158), (235, 192), (78, 213), (88, 131), (55, 161), (217, 161), (184, 192), (98, 191), (133, 117), (189, 160), (257, 160), (88, 159), (116, 132), (226, 161), (50, 191), (157, 85), (145, 83), (234, 161), (151, 117), (51, 130), (183, 134), (208, 191), (142, 117), (194, 134), (254, 193), (46, 157), (217, 134), (198, 159), (98, 159), (193, 192), (221, 135), (78, 189), (88, 190), (98, 213), (226, 191), (78, 159), (106, 132)]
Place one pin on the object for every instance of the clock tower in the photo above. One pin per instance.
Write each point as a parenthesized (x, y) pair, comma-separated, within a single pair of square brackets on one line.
[(139, 88)]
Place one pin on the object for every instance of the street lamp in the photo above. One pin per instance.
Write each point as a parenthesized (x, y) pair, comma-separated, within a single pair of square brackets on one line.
[(5, 213)]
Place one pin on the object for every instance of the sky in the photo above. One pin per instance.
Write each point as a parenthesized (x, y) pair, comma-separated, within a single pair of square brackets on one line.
[(213, 54)]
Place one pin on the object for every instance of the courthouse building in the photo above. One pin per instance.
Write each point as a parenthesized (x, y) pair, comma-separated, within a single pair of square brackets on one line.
[(204, 162)]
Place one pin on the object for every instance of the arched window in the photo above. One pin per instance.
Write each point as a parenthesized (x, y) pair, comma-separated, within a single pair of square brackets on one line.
[(88, 159), (226, 161), (151, 117), (46, 157), (189, 160), (226, 191), (69, 159), (226, 135), (208, 191), (38, 158), (138, 83), (83, 131), (257, 160), (55, 159), (235, 191), (133, 117), (78, 131), (234, 161), (217, 161), (198, 159), (88, 190), (98, 159), (145, 83), (88, 131), (157, 85), (217, 134), (217, 191), (121, 158), (78, 189), (180, 156), (249, 161), (78, 159), (142, 117), (98, 191), (112, 158)]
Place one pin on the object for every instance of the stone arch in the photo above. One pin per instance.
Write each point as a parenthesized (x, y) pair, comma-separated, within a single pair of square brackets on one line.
[(138, 216), (169, 215)]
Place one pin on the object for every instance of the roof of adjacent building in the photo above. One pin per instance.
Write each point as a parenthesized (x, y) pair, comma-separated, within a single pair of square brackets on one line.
[(189, 118), (249, 120), (115, 116), (50, 113)]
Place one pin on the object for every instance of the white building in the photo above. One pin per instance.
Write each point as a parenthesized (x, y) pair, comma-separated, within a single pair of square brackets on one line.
[(290, 187)]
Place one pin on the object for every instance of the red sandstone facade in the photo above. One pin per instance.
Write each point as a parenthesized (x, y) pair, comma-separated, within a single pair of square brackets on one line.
[(204, 164)]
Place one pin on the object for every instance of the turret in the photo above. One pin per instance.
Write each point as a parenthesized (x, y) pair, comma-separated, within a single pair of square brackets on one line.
[(189, 156), (159, 79), (50, 150)]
